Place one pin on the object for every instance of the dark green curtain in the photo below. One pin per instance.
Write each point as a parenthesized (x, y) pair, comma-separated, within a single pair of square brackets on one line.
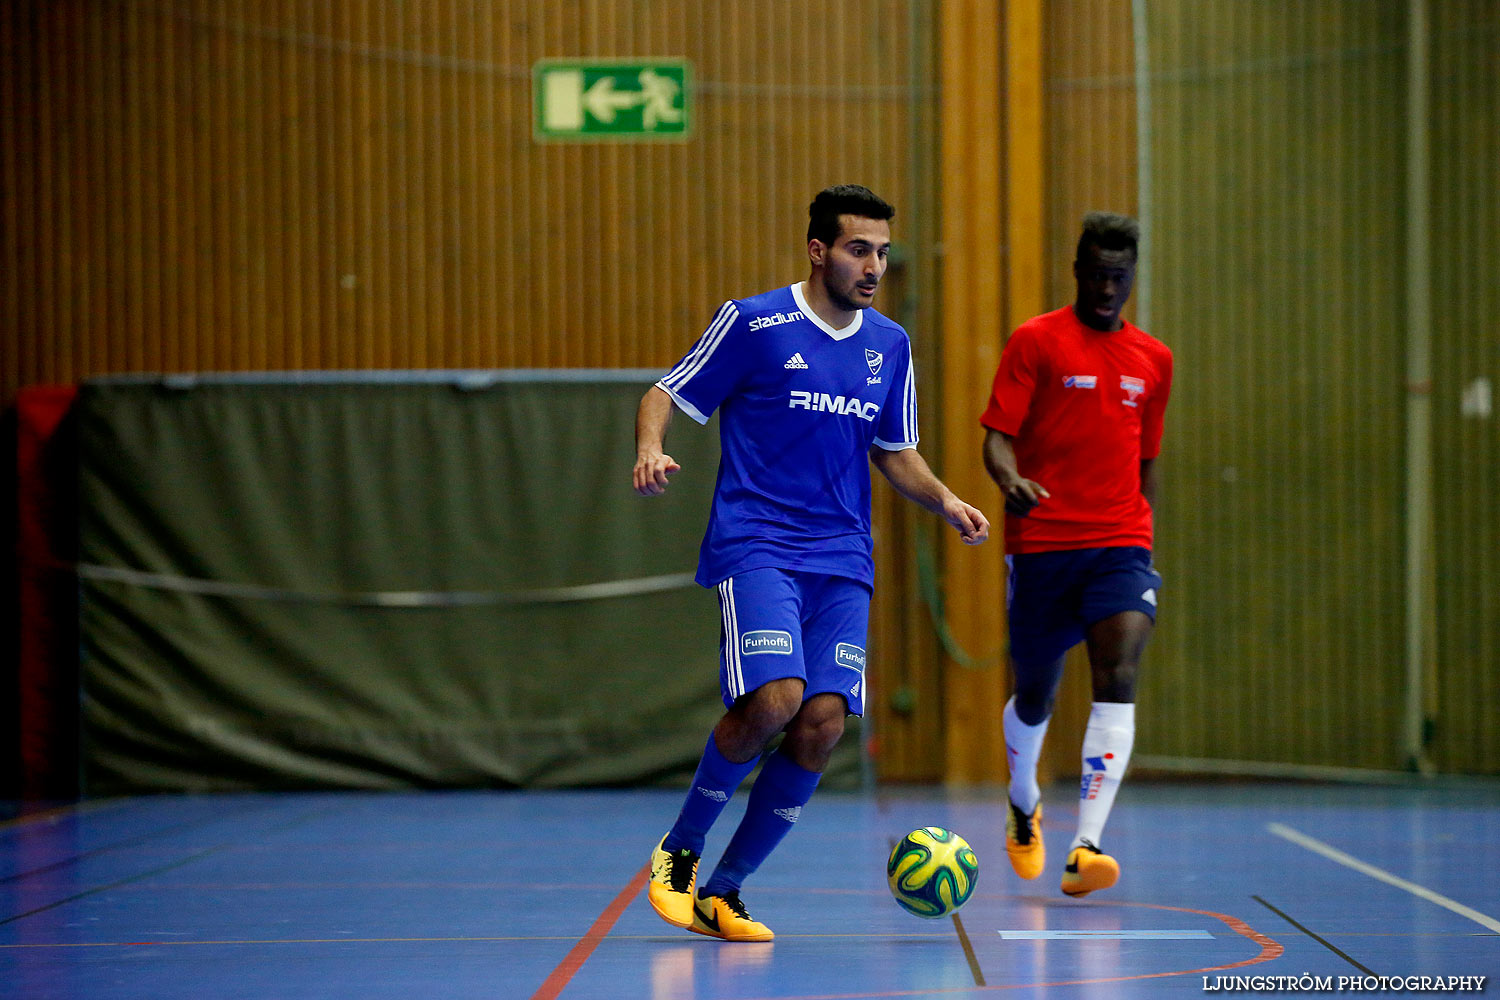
[(392, 582)]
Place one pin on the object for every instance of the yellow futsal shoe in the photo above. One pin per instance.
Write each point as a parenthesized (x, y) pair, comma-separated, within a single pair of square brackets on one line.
[(673, 880), (1023, 840), (726, 917), (1088, 869)]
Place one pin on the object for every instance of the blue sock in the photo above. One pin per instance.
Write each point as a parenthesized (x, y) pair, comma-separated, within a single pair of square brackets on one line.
[(713, 786), (776, 800)]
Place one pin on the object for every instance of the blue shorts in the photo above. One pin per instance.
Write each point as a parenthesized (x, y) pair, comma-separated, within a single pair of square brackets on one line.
[(780, 623), (1053, 597)]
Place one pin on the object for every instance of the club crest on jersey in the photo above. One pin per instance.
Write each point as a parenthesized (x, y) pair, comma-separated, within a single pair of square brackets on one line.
[(824, 403), (1133, 387), (1080, 381), (874, 359)]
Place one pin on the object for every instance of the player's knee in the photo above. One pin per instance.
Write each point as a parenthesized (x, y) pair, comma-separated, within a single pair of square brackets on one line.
[(1114, 680), (766, 710), (1036, 695), (822, 732), (1033, 707), (1036, 682), (814, 733)]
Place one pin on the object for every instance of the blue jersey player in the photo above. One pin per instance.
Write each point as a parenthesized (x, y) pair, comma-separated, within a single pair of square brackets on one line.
[(808, 381)]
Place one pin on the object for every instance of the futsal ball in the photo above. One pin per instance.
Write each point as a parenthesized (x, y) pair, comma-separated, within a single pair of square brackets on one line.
[(932, 872)]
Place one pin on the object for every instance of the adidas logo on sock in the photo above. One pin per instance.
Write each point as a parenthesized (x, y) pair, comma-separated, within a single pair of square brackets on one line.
[(713, 793), (795, 361), (790, 815)]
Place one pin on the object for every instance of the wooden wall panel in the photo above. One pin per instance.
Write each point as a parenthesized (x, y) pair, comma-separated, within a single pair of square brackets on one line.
[(1278, 139), (1091, 152), (1277, 261), (1465, 149), (303, 185), (1090, 127), (973, 304)]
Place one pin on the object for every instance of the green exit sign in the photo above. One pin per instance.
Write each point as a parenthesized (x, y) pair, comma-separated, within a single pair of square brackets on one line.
[(609, 100)]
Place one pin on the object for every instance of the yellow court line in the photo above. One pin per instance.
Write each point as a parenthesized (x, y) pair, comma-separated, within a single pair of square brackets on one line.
[(80, 808)]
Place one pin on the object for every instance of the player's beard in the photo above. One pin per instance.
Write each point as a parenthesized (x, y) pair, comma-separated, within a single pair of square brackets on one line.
[(845, 301)]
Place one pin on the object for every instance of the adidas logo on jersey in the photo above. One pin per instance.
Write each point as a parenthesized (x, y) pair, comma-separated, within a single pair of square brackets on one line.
[(795, 361)]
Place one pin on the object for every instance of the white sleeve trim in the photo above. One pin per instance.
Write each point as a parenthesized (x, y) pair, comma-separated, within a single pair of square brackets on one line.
[(709, 342), (685, 406), (895, 446)]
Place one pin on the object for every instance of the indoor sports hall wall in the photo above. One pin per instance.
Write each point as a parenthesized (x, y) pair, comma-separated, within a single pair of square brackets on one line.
[(1466, 367), (242, 187), (247, 186), (202, 186), (1289, 419), (1296, 254), (1298, 257)]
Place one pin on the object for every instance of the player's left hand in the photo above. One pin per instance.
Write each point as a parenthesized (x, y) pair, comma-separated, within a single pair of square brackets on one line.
[(969, 521)]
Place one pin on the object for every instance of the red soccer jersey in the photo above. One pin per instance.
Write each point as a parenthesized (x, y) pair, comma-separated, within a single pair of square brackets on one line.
[(1084, 408)]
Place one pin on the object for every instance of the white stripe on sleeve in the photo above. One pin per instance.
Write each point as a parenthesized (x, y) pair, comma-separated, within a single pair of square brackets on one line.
[(908, 416), (704, 349), (909, 410)]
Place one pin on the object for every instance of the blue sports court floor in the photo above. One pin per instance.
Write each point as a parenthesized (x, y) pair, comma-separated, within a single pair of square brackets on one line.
[(530, 895)]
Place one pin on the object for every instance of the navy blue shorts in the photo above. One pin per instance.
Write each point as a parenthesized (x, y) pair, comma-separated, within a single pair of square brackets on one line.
[(1053, 597), (779, 623)]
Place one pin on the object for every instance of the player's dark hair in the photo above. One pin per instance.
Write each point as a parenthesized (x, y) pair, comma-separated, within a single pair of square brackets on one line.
[(843, 199), (1109, 231)]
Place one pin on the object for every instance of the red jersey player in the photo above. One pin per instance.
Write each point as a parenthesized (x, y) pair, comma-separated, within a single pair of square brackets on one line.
[(1074, 425)]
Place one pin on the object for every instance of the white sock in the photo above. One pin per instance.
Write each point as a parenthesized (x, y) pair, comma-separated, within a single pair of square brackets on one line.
[(1106, 752), (1023, 749)]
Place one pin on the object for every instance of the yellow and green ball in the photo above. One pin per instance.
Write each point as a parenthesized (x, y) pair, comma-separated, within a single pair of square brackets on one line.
[(932, 872)]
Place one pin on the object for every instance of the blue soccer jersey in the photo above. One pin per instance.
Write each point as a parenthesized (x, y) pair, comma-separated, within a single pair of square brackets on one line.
[(800, 404)]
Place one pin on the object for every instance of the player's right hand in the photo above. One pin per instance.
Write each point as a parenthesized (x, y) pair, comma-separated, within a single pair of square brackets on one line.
[(1022, 496), (651, 472)]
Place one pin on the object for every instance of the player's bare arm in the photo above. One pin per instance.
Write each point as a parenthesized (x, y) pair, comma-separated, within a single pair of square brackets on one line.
[(1021, 494), (909, 473), (1148, 480), (652, 465)]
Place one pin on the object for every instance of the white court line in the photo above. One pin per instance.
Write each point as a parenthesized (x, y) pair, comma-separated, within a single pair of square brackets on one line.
[(1114, 935), (1348, 861)]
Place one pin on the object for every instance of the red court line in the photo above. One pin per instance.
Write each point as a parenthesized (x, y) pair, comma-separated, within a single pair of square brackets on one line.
[(580, 952), (54, 812), (1269, 949)]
